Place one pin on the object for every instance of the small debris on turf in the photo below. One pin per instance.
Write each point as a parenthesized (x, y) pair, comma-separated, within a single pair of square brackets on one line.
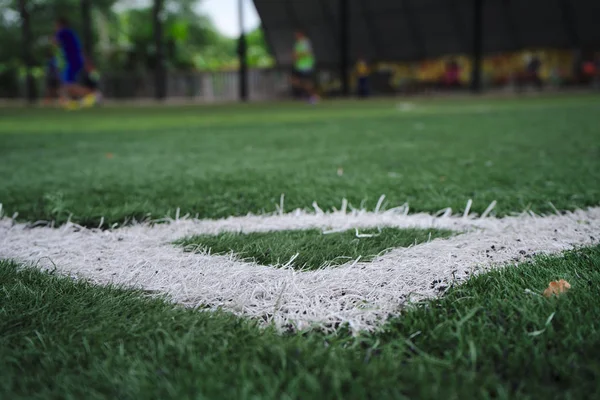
[(557, 288)]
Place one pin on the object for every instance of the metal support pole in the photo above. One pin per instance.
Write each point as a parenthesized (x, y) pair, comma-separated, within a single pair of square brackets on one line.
[(160, 79), (566, 11), (477, 45), (242, 54), (26, 42), (375, 40), (511, 27), (345, 46), (415, 30), (86, 27)]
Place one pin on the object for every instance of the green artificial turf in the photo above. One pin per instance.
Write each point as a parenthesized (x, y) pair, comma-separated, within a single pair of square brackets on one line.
[(218, 161), (311, 248), (494, 337)]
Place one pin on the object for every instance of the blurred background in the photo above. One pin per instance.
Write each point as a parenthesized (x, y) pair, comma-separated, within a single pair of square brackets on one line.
[(229, 50)]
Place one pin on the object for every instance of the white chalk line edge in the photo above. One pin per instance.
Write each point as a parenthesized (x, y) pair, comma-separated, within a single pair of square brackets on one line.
[(361, 294)]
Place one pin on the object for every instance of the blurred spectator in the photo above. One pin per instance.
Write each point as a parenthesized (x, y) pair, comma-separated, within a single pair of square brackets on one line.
[(556, 77), (531, 75), (304, 67), (91, 81), (533, 71), (362, 73), (452, 75), (591, 71)]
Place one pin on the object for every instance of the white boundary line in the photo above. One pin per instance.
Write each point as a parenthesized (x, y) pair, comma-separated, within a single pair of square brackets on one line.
[(361, 294)]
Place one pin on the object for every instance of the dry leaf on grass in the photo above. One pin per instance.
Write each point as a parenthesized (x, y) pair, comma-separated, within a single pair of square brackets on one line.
[(557, 288), (110, 155)]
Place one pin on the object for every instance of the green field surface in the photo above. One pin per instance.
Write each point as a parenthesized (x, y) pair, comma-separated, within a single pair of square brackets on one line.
[(490, 338), (311, 249), (494, 336), (216, 161)]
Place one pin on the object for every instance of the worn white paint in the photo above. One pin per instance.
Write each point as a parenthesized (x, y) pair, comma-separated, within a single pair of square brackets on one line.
[(361, 294)]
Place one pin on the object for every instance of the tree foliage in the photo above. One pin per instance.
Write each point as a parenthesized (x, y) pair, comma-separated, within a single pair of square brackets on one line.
[(123, 37)]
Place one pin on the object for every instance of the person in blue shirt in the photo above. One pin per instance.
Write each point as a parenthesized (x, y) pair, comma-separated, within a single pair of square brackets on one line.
[(68, 41)]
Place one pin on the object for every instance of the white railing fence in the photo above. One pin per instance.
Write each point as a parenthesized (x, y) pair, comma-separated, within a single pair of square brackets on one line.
[(263, 84), (209, 87)]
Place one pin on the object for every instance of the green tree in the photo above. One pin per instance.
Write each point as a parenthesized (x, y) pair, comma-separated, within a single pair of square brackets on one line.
[(258, 51), (125, 39)]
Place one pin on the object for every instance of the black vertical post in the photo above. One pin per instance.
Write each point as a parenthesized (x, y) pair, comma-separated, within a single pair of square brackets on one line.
[(566, 11), (477, 45), (86, 26), (26, 41), (242, 54), (159, 73), (345, 43)]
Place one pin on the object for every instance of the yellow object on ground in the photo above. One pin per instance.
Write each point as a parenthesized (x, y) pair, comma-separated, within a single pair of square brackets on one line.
[(71, 105), (89, 100)]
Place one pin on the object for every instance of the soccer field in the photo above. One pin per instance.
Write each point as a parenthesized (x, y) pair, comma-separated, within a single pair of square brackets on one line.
[(346, 250)]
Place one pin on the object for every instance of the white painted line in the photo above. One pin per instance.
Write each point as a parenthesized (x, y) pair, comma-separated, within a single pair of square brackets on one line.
[(362, 294)]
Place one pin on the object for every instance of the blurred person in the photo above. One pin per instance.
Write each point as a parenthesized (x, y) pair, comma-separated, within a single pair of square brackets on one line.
[(362, 74), (304, 67), (556, 77), (452, 75), (68, 42), (52, 78), (533, 71), (91, 81), (591, 71), (533, 65)]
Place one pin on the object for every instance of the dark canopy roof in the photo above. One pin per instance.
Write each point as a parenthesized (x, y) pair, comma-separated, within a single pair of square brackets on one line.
[(395, 30)]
